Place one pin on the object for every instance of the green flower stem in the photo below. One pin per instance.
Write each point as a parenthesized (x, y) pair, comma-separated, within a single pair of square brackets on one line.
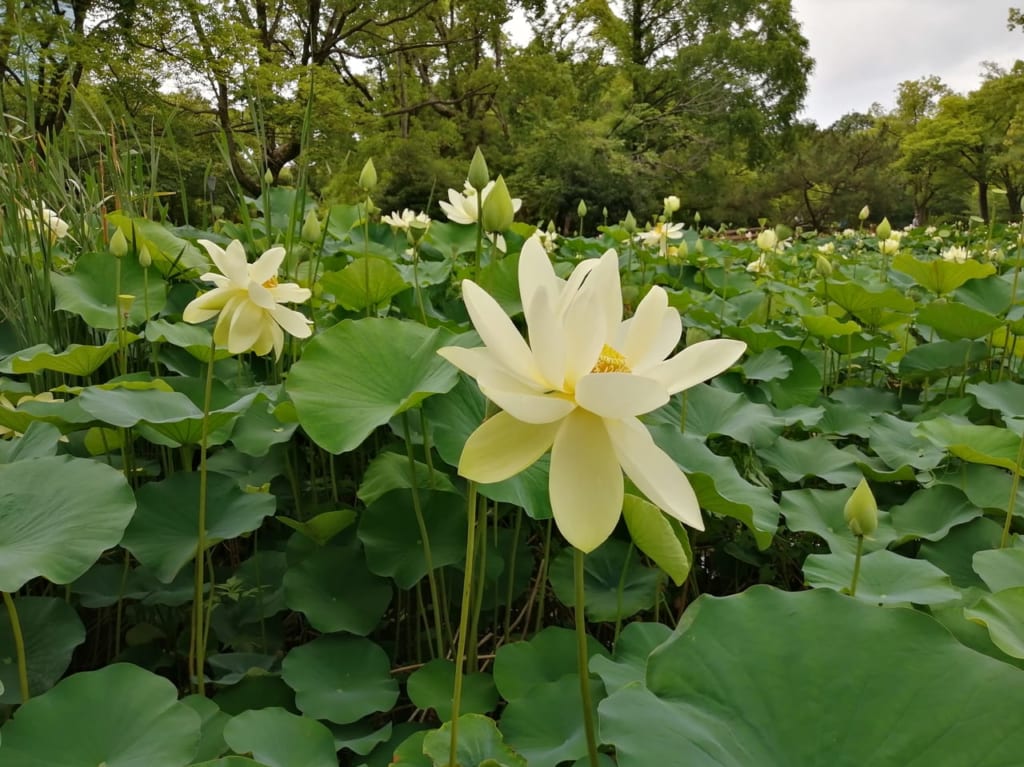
[(19, 646), (542, 578), (582, 659), (199, 631), (1013, 495), (478, 598), (467, 598), (479, 245), (856, 566), (417, 506), (507, 633)]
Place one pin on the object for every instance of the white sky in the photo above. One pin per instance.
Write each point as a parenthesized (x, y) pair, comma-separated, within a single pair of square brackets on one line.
[(863, 49)]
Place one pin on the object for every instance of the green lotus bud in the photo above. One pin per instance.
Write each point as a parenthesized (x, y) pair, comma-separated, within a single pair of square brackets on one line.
[(118, 244), (699, 247), (478, 173), (767, 239), (604, 214), (671, 204), (581, 209), (311, 230), (822, 266), (145, 258), (683, 250), (696, 218), (268, 177), (629, 223), (551, 227), (368, 177), (883, 230), (864, 213), (498, 213), (861, 510)]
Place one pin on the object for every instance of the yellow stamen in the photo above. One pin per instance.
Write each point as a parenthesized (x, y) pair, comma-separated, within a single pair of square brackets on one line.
[(610, 361), (271, 283)]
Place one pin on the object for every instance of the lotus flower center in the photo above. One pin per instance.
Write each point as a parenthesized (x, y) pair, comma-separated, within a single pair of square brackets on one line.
[(271, 283), (610, 361)]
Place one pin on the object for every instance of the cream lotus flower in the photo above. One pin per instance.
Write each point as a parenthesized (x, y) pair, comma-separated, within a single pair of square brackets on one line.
[(956, 253), (659, 236), (577, 389), (462, 206), (248, 299), (406, 220), (51, 224)]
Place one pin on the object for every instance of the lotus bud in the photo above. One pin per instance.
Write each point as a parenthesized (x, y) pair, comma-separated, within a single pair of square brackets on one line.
[(604, 214), (699, 247), (551, 226), (822, 266), (118, 244), (268, 177), (478, 173), (629, 223), (671, 204), (767, 239), (861, 510), (683, 250), (864, 213), (368, 177), (883, 230), (145, 258), (498, 212), (581, 209), (124, 304), (696, 218), (311, 230)]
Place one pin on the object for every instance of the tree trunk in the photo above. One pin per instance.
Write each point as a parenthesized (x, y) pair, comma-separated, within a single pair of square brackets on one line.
[(983, 200)]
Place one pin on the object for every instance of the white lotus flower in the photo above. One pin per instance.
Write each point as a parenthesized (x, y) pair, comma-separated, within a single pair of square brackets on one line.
[(890, 246), (659, 236), (406, 220), (759, 265), (956, 254), (577, 388), (47, 220), (248, 299), (462, 206)]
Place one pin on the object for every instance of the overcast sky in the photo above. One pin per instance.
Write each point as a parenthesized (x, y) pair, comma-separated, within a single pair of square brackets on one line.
[(864, 48)]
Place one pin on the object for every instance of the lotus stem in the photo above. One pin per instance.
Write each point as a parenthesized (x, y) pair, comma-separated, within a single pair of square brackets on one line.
[(467, 597), (19, 646), (582, 659), (1012, 502), (856, 566)]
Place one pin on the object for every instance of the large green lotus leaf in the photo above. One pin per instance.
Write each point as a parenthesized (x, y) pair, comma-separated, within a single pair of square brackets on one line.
[(990, 445), (547, 727), (391, 471), (1001, 569), (358, 374), (617, 584), (821, 512), (57, 516), (231, 761), (119, 716), (453, 417), (896, 442), (814, 457), (360, 737), (953, 321), (91, 293), (164, 533), (824, 326), (324, 526), (886, 578), (430, 687), (659, 537), (391, 536), (388, 752), (711, 411), (718, 485), (171, 254), (279, 738), (767, 366), (1002, 614), (629, 663), (333, 588), (942, 357), (828, 681), (480, 745), (52, 630), (868, 305), (365, 282), (212, 721), (931, 512), (66, 415), (939, 275), (1006, 397), (40, 440), (801, 387), (548, 656), (340, 679), (76, 360), (954, 554), (195, 339)]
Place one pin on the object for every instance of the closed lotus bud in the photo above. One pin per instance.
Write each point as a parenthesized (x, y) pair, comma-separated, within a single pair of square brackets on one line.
[(822, 266), (861, 511), (145, 258), (671, 204), (498, 212), (884, 230), (696, 218), (864, 213), (311, 230), (368, 177), (699, 247), (268, 177), (683, 250), (478, 173), (604, 214), (767, 239), (581, 209), (118, 244), (629, 223)]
